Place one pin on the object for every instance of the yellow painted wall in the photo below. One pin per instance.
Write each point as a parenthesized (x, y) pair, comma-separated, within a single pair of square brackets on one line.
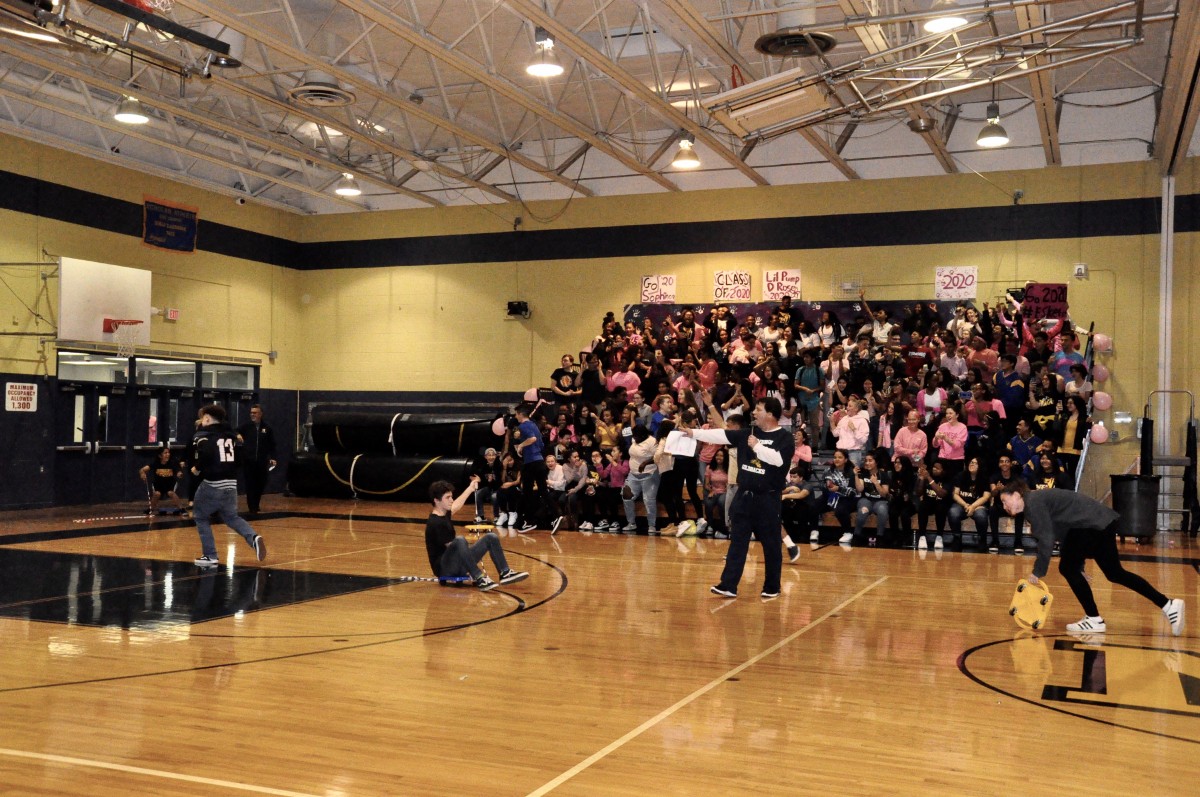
[(230, 307), (444, 328)]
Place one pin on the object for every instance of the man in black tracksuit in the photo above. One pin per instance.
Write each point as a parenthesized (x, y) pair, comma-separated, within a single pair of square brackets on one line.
[(214, 462), (258, 456)]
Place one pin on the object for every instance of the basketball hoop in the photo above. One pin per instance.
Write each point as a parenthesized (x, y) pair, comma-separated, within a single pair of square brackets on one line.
[(124, 332), (158, 7)]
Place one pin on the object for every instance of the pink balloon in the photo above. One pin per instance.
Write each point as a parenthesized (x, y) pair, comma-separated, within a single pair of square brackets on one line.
[(1099, 373), (1101, 400), (1099, 434), (498, 427), (531, 394), (1102, 343)]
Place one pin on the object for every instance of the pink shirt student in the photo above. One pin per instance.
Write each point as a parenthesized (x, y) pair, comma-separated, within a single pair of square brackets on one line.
[(803, 453), (617, 471), (951, 438), (626, 379), (911, 443)]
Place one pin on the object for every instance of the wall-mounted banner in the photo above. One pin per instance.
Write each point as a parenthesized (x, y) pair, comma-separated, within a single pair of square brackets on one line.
[(731, 286), (1045, 300), (956, 282), (778, 283), (658, 289), (169, 226), (20, 397)]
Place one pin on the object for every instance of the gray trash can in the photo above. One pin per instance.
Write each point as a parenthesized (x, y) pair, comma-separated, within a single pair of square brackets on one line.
[(1135, 499)]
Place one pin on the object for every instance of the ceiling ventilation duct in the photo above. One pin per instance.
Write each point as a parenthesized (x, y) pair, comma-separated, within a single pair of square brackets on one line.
[(765, 108), (320, 90), (235, 40), (795, 37)]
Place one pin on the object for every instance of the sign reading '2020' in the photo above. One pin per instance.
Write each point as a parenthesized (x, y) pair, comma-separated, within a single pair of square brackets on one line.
[(778, 283), (956, 282), (731, 286)]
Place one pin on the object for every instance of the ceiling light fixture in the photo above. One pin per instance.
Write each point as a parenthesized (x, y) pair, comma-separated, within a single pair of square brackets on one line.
[(686, 157), (545, 62), (129, 112), (948, 18), (347, 186), (992, 135)]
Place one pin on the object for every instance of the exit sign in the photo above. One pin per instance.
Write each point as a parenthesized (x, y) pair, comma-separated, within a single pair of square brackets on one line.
[(171, 314)]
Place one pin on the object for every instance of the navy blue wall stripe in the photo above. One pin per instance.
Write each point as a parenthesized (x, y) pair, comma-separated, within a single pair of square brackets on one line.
[(1113, 217), (52, 201)]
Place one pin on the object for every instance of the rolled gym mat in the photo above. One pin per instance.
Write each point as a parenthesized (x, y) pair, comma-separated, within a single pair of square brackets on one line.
[(339, 430), (379, 477)]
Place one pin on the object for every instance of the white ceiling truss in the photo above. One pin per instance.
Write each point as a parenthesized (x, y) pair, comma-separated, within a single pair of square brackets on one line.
[(427, 103)]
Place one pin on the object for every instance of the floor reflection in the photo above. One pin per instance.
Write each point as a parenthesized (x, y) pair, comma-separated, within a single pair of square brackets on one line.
[(113, 591)]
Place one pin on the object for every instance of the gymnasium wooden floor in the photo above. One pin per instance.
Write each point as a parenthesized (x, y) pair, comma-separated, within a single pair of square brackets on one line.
[(611, 671)]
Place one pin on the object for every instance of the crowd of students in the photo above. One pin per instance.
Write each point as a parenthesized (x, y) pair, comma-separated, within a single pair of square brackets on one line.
[(925, 417)]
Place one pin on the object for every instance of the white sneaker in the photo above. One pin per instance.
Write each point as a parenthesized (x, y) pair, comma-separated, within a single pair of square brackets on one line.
[(479, 518), (501, 519), (701, 526), (1089, 625), (845, 538), (512, 520), (814, 536), (585, 526), (923, 544), (1173, 611), (937, 543)]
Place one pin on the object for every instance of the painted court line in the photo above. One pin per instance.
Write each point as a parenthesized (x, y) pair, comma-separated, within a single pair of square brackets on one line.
[(154, 773), (713, 684)]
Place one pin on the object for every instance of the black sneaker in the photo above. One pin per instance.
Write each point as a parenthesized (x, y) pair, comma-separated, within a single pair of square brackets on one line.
[(485, 584), (793, 552), (724, 593), (557, 522), (511, 576), (528, 527), (260, 547), (207, 561)]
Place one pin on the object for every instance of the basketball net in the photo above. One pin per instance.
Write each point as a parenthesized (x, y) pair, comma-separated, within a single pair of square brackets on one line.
[(125, 334), (158, 7)]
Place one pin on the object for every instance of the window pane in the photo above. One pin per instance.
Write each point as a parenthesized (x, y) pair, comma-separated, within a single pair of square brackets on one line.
[(175, 373), (227, 377), (77, 366)]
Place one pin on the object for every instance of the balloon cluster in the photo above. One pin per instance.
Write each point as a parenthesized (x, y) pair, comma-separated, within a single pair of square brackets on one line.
[(1101, 344)]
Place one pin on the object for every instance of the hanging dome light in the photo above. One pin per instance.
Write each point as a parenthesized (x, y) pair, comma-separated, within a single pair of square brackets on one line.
[(949, 17), (992, 135), (347, 186), (686, 157), (129, 112), (545, 62)]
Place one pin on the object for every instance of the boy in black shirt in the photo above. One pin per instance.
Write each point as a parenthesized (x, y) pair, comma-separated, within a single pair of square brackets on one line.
[(162, 477), (215, 463), (451, 556)]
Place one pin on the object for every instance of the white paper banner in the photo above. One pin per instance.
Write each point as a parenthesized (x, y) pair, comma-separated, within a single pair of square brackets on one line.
[(731, 286), (780, 283), (658, 289), (956, 282)]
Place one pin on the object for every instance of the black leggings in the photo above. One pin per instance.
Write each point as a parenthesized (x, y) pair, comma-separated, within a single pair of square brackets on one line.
[(1100, 545)]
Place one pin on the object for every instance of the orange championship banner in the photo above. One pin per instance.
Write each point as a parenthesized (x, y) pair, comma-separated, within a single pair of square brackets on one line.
[(169, 225)]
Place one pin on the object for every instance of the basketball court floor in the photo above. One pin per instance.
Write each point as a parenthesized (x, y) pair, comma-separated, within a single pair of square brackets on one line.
[(611, 671)]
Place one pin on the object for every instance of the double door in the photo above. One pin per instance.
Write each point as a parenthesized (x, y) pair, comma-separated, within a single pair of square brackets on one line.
[(105, 433)]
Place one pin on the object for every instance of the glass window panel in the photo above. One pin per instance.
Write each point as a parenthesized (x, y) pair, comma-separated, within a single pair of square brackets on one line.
[(227, 377), (172, 373), (78, 366), (102, 420), (80, 419)]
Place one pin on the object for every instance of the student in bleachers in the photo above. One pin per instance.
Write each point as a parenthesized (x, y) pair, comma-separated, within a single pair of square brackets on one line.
[(902, 499), (1047, 473), (716, 483), (840, 493), (873, 484), (934, 500), (612, 482), (970, 499), (1006, 471)]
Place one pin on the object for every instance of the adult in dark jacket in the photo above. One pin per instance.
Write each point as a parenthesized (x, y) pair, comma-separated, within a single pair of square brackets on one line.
[(1086, 529), (258, 456)]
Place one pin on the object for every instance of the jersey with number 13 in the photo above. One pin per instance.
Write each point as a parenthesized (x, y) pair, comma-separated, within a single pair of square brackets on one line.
[(216, 455)]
